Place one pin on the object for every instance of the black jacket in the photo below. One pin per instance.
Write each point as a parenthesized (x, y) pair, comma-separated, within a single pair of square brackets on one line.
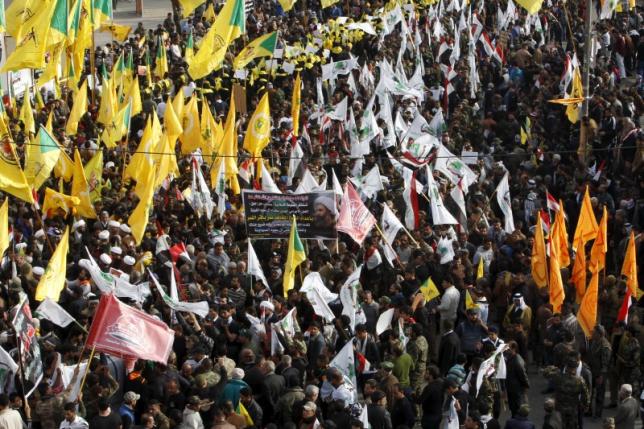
[(379, 417), (450, 347)]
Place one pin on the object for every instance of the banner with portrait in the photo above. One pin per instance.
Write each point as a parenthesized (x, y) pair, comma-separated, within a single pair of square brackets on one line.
[(270, 215), (31, 361)]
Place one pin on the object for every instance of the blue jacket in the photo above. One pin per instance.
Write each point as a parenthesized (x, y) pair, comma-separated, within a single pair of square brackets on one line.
[(231, 392)]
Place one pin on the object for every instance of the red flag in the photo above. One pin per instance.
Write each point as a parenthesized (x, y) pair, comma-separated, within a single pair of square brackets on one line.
[(622, 315), (123, 331), (355, 219), (179, 251), (552, 203)]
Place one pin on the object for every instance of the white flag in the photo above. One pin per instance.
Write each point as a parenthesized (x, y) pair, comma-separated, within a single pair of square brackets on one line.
[(268, 184), (384, 321), (288, 325), (390, 227), (440, 214), (254, 267), (314, 281), (200, 199), (338, 68), (364, 417), (276, 346), (294, 162), (445, 249), (337, 188), (53, 312), (320, 307), (199, 308), (505, 203), (349, 299), (67, 376), (308, 184), (370, 183), (345, 362), (339, 112)]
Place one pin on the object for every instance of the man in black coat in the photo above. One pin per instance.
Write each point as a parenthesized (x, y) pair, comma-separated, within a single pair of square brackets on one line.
[(402, 413), (431, 400), (366, 346), (450, 347), (379, 417), (516, 381)]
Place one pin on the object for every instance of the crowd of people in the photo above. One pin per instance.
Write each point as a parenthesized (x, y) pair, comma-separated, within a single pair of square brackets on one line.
[(490, 71)]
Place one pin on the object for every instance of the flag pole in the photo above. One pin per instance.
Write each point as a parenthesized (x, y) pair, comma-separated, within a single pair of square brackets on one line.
[(387, 242), (89, 361)]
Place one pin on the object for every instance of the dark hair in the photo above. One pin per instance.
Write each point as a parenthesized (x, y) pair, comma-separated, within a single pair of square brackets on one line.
[(70, 406), (246, 391), (103, 403), (4, 400), (461, 358)]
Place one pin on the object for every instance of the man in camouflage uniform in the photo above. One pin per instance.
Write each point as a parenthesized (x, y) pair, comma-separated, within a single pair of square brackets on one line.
[(484, 398), (571, 393), (628, 359), (599, 352), (418, 348)]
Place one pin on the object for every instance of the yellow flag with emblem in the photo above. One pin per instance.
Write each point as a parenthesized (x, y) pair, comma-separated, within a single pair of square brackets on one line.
[(133, 96), (78, 110), (178, 103), (52, 283), (139, 217), (263, 46), (258, 133), (188, 6), (296, 101), (12, 178), (229, 25), (207, 131), (119, 32), (94, 174), (167, 162), (191, 136), (42, 157), (30, 24), (64, 168), (145, 156), (228, 152), (469, 302), (429, 290), (80, 189)]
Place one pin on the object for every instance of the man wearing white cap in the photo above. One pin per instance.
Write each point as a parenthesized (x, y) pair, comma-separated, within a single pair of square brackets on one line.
[(124, 230), (38, 272), (104, 235), (104, 261), (115, 254)]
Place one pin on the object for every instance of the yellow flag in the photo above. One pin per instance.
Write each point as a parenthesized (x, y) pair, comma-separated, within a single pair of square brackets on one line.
[(191, 136), (107, 108), (188, 6), (80, 189), (258, 133), (572, 110), (524, 136), (480, 269), (55, 201), (559, 237), (119, 32), (51, 71), (118, 127), (242, 410), (167, 162), (586, 224), (263, 46), (629, 267), (429, 289), (27, 115), (294, 257), (139, 217), (296, 101), (228, 151), (538, 260), (33, 18), (287, 4), (64, 167), (12, 178), (532, 6), (178, 103), (161, 68), (469, 302), (229, 25), (557, 293), (4, 226), (172, 124), (78, 110), (327, 3), (145, 156), (587, 314), (209, 14), (134, 97), (42, 157), (600, 246), (52, 283), (94, 174), (207, 131), (578, 276)]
